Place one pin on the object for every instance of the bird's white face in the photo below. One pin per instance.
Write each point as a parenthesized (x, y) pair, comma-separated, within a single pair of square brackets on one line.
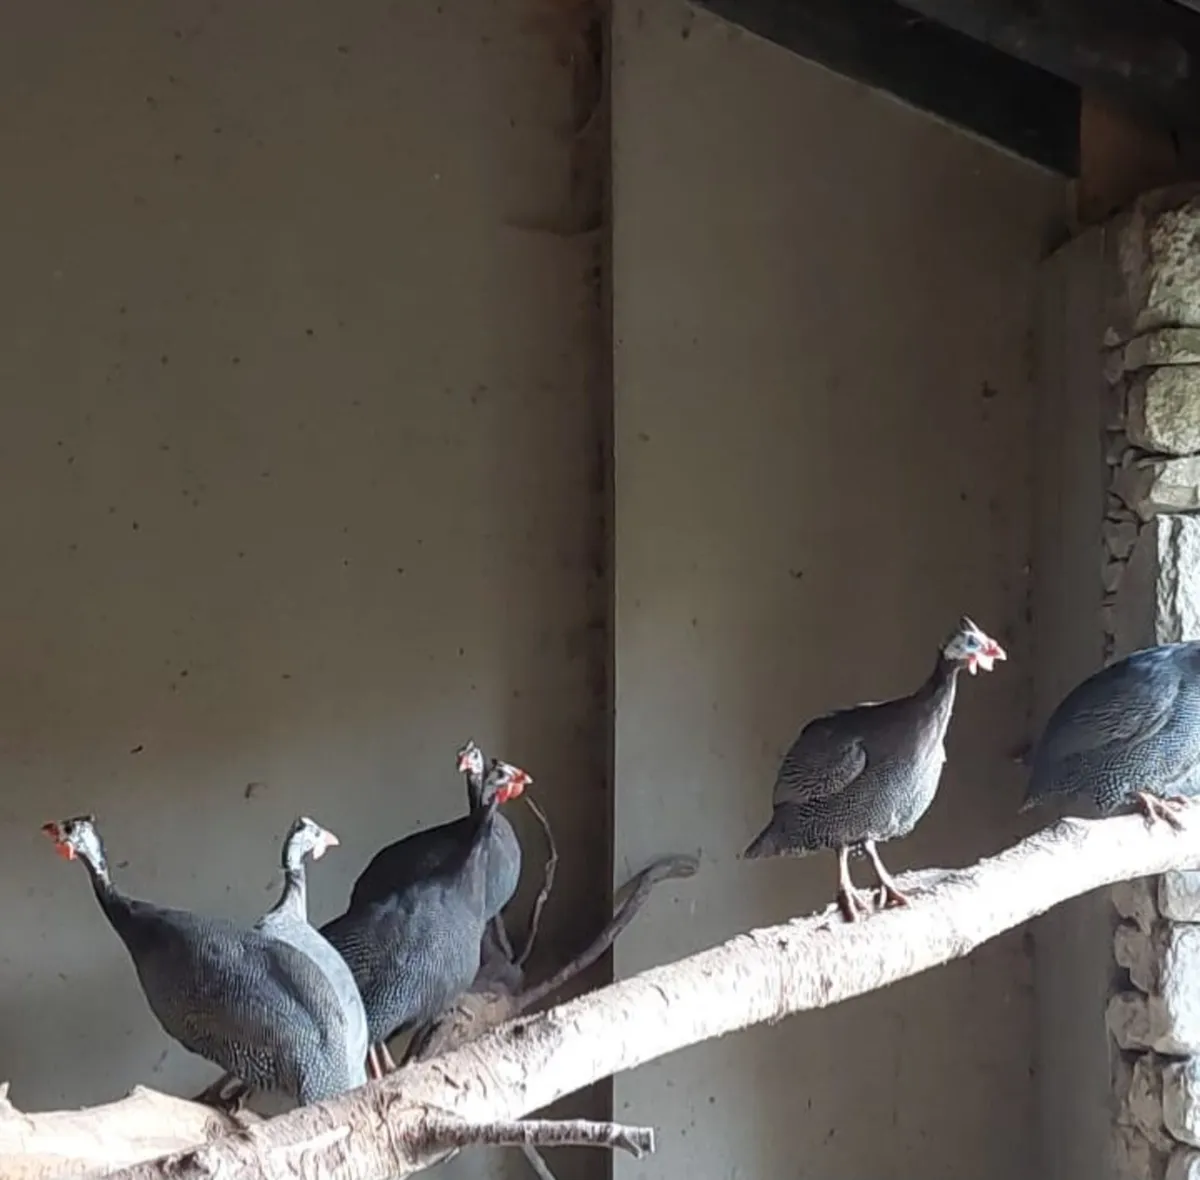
[(972, 647), (470, 760), (75, 837), (314, 839)]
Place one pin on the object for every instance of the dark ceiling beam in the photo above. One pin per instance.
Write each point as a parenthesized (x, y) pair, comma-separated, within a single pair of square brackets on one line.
[(885, 45), (1143, 55)]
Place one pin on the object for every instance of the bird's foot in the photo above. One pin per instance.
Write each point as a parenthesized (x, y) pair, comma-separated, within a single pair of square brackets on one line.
[(890, 898), (853, 904), (1157, 808), (227, 1094)]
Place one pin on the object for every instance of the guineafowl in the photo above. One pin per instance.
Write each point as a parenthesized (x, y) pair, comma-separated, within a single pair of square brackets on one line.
[(859, 776), (1129, 734)]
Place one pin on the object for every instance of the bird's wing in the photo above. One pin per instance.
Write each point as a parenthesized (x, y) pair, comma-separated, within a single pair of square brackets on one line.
[(240, 1012), (1124, 708), (825, 759)]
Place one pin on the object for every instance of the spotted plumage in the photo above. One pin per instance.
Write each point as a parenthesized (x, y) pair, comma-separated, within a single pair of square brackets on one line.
[(1129, 734), (287, 920), (415, 948), (247, 1002), (860, 776), (421, 852)]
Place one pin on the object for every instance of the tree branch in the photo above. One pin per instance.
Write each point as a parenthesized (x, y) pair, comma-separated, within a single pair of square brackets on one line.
[(496, 994), (639, 890), (78, 1143), (760, 976), (454, 1132)]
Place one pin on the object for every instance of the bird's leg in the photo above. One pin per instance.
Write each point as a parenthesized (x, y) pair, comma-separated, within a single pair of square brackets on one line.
[(1157, 808), (890, 895), (852, 902), (386, 1058), (374, 1069)]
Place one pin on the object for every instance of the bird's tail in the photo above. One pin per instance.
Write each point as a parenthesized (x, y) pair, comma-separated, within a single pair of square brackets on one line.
[(766, 843)]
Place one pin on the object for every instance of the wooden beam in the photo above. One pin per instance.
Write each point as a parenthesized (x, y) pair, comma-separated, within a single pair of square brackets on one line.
[(1121, 157), (936, 69), (1141, 55)]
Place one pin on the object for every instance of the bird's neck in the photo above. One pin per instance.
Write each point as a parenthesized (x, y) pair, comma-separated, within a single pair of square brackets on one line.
[(939, 687), (293, 899), (112, 901), (474, 790), (484, 817)]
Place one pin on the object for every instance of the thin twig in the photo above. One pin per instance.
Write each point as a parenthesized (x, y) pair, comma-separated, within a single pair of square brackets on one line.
[(548, 876), (503, 1002), (451, 1133), (640, 887)]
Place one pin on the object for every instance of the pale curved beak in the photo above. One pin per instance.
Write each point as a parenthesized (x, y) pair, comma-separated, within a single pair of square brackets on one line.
[(327, 840)]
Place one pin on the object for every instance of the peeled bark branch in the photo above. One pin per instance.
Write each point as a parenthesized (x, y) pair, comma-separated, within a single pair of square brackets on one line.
[(445, 1133), (761, 976), (83, 1143), (496, 995), (639, 890)]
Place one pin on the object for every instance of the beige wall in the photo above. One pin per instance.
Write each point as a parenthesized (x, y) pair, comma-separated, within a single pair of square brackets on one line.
[(292, 417), (822, 310), (266, 297), (1073, 942)]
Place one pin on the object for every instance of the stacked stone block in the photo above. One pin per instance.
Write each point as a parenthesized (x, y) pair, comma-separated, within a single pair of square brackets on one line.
[(1151, 573)]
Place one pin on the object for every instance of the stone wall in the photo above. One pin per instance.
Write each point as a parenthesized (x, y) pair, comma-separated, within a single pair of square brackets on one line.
[(1152, 582)]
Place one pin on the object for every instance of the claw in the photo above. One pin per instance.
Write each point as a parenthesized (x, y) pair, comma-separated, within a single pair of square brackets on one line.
[(890, 898), (1157, 808), (853, 904), (227, 1094)]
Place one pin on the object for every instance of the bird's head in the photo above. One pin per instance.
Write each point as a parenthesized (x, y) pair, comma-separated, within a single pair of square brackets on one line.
[(76, 837), (972, 648), (306, 837), (470, 761), (505, 781)]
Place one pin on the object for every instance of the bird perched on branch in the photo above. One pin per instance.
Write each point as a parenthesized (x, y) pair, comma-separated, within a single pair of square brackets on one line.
[(257, 1006), (412, 938), (1129, 734), (860, 776)]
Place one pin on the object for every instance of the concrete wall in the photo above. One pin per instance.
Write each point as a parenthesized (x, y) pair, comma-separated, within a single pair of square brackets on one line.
[(1073, 943), (822, 312), (300, 423), (298, 482)]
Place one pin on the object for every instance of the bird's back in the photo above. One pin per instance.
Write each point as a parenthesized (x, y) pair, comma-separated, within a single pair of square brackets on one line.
[(419, 855), (411, 955), (865, 772), (1133, 725), (408, 861), (250, 1004), (415, 950)]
